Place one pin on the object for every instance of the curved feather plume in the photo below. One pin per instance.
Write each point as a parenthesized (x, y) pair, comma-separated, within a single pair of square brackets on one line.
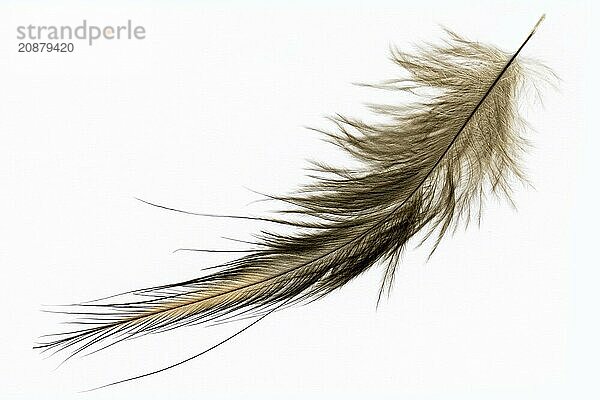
[(425, 168)]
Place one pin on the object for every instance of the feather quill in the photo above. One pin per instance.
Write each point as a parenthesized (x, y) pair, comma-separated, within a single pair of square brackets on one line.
[(423, 170)]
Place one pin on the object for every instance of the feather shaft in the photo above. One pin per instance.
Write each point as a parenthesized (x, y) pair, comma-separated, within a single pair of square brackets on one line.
[(422, 170)]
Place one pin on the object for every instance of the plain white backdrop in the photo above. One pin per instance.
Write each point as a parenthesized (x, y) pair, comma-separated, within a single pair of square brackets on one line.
[(214, 101)]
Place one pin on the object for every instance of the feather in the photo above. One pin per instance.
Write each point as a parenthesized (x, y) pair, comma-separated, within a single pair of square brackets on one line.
[(424, 168)]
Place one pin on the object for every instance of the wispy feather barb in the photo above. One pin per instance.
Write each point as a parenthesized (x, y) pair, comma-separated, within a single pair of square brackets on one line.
[(425, 168)]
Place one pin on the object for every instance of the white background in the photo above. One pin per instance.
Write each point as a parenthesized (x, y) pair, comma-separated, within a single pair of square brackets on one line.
[(213, 102)]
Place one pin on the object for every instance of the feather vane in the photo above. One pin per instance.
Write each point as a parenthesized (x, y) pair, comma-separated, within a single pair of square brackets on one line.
[(423, 169)]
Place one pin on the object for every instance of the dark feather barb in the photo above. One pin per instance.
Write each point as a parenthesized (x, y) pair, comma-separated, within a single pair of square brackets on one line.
[(423, 171)]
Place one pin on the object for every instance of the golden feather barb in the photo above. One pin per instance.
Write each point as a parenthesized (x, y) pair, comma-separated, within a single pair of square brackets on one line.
[(426, 168)]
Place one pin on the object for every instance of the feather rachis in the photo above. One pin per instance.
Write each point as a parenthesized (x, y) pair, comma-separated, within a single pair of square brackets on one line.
[(420, 171)]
